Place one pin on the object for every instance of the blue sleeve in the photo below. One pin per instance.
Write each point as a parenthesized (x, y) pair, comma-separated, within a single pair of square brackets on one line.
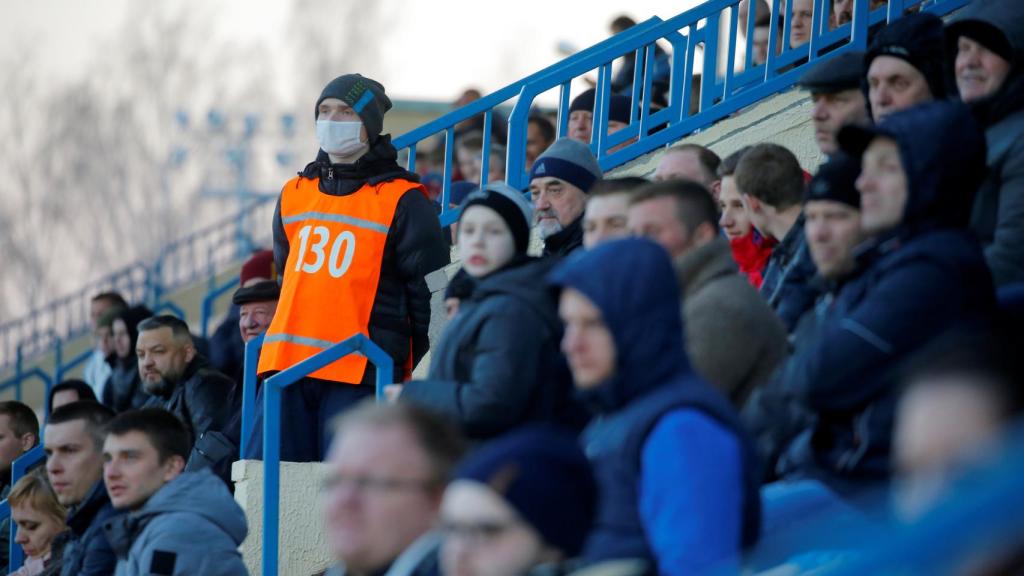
[(691, 493)]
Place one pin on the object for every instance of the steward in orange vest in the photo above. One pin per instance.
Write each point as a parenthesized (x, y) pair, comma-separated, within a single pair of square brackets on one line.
[(354, 236)]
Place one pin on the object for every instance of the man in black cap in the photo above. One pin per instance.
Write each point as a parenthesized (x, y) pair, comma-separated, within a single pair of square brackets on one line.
[(834, 85), (581, 116), (354, 236), (904, 64), (986, 49), (832, 228)]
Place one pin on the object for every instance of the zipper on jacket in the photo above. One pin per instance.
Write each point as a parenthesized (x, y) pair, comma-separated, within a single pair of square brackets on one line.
[(330, 173)]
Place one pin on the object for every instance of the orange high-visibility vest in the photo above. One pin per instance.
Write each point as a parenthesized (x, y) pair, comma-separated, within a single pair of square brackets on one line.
[(336, 246)]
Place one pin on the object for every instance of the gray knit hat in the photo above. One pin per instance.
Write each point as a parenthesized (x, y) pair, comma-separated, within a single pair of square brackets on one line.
[(568, 160), (364, 95), (511, 205)]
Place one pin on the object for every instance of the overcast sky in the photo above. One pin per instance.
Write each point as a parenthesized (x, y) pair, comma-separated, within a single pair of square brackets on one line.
[(456, 43)]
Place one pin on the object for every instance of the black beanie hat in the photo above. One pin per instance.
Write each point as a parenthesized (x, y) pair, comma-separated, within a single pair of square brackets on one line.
[(364, 95), (918, 39), (541, 472), (511, 205), (618, 106), (836, 181)]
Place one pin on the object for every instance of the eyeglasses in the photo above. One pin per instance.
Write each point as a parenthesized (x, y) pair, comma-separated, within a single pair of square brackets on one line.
[(477, 532), (376, 485)]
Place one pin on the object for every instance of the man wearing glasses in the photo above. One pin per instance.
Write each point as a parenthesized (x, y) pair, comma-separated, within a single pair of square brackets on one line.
[(388, 466)]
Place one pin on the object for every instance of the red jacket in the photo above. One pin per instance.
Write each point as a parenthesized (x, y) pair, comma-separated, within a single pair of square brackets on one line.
[(751, 253)]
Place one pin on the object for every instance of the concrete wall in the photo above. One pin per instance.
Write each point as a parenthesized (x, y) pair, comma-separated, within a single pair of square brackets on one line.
[(783, 119), (303, 550)]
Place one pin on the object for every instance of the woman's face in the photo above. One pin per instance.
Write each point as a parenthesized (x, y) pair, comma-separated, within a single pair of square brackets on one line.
[(36, 530), (483, 534), (734, 220), (485, 241), (122, 339)]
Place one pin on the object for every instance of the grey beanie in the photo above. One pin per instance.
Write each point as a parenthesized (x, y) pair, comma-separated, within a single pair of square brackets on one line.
[(364, 95), (511, 205), (568, 160)]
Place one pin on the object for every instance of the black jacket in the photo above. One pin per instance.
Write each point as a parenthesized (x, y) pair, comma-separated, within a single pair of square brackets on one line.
[(922, 278), (204, 399), (124, 389), (788, 285), (498, 364), (414, 248), (565, 241), (86, 549)]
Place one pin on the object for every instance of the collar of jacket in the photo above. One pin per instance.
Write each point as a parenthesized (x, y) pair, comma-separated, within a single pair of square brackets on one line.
[(790, 245), (566, 239), (703, 264), (379, 164), (81, 516)]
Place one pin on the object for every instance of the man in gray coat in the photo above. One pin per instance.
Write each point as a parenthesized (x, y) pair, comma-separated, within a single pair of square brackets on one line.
[(987, 41), (177, 523), (733, 338)]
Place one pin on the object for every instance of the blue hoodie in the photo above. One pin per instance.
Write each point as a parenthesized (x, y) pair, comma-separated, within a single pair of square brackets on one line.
[(914, 282), (677, 476)]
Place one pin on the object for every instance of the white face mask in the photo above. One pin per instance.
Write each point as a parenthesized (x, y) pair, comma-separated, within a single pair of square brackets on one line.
[(339, 138)]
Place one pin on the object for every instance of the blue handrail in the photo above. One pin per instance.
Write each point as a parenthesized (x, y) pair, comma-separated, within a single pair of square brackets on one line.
[(208, 301), (20, 466), (252, 357), (358, 344), (181, 262)]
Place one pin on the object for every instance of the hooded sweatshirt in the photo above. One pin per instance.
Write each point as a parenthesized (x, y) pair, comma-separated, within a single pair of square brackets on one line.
[(997, 216), (498, 363), (676, 474), (914, 282), (190, 526)]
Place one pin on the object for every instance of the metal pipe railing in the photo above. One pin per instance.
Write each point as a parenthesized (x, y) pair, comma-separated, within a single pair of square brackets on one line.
[(358, 344)]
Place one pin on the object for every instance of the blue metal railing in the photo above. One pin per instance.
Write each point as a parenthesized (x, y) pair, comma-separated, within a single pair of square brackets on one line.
[(183, 261), (18, 469), (252, 356), (486, 106), (723, 91), (358, 344), (212, 295)]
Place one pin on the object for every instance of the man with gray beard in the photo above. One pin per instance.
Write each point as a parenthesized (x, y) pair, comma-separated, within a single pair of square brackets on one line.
[(180, 380), (559, 182)]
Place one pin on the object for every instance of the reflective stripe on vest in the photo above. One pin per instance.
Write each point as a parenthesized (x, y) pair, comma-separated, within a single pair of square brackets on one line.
[(336, 246)]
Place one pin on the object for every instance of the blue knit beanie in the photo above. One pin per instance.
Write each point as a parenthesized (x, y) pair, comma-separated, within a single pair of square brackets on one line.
[(568, 160), (543, 474)]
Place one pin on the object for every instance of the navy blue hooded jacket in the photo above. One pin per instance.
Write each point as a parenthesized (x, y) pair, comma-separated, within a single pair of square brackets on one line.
[(916, 281), (677, 476)]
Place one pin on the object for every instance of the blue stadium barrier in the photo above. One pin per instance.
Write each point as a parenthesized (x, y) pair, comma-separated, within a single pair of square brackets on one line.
[(180, 263), (358, 344), (252, 356), (18, 469), (211, 297)]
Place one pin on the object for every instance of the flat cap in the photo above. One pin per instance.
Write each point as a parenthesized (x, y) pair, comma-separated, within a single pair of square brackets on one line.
[(836, 74)]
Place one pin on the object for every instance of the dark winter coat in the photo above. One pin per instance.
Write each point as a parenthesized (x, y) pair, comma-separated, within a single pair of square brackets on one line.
[(926, 276), (566, 241), (498, 363), (788, 285), (124, 390), (86, 549), (997, 216), (204, 399), (414, 248)]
